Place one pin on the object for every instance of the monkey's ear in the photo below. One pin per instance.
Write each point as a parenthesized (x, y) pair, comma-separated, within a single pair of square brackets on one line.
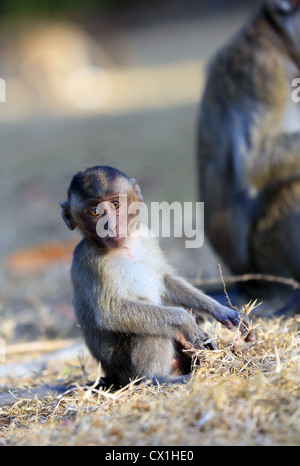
[(136, 189), (66, 215)]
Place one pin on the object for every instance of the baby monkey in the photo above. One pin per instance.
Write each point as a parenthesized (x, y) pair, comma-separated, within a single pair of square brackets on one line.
[(132, 309)]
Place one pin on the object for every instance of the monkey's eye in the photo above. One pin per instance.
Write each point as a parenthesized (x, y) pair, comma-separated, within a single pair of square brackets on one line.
[(94, 212), (116, 204)]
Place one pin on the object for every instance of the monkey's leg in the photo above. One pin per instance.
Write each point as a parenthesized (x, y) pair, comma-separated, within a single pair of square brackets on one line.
[(143, 358), (275, 245), (153, 359)]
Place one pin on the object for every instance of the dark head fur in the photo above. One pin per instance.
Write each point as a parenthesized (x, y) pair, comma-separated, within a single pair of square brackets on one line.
[(95, 179)]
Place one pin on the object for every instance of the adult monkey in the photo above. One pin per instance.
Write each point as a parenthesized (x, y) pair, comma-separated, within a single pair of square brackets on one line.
[(249, 145)]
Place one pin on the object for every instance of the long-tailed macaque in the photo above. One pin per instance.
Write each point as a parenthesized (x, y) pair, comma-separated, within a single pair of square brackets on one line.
[(131, 307), (249, 145)]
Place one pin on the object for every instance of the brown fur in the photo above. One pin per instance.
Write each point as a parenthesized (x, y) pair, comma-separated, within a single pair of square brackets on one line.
[(249, 145)]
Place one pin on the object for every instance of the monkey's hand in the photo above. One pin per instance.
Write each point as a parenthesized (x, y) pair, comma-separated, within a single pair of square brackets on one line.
[(180, 292), (183, 342), (204, 344), (230, 318), (194, 337)]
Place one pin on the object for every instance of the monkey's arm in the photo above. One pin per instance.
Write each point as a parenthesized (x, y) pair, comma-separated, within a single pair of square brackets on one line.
[(278, 162), (180, 292), (141, 318)]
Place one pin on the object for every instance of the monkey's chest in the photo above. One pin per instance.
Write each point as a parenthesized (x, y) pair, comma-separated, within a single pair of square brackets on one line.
[(291, 118), (138, 278)]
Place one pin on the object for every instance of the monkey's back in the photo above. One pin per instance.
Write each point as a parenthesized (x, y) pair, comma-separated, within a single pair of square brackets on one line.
[(242, 84)]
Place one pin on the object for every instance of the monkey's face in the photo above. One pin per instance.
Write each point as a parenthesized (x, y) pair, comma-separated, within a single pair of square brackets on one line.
[(98, 202), (287, 13), (105, 219)]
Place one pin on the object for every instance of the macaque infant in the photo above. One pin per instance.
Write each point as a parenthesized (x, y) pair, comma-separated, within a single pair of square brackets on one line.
[(132, 308)]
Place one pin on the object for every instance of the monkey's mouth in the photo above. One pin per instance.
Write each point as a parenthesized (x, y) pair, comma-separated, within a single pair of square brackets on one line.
[(115, 241), (119, 238)]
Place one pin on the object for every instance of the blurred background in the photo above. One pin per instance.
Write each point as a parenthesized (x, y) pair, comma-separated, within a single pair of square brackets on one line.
[(91, 82)]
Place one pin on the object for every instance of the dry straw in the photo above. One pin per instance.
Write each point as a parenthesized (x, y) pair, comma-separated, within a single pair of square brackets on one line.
[(246, 394)]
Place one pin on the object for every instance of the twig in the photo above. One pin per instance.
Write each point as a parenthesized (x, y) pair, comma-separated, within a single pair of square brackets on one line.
[(225, 291), (248, 277)]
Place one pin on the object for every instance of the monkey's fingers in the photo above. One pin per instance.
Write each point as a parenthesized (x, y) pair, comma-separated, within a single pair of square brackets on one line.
[(204, 342), (183, 342), (247, 334), (205, 345), (209, 344), (199, 345), (246, 331), (228, 317), (250, 337)]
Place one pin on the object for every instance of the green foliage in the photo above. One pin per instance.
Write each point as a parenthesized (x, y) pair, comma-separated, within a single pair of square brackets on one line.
[(37, 7)]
